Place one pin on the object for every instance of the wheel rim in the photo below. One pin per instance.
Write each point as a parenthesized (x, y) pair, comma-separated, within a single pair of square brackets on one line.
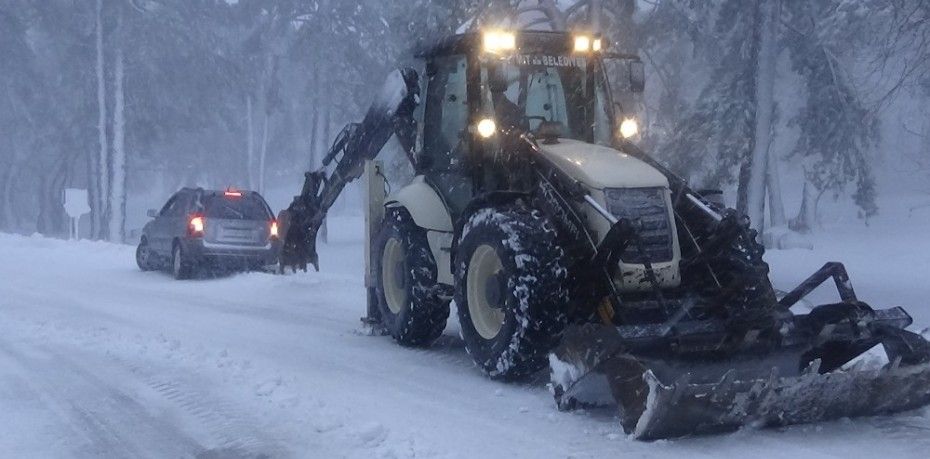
[(393, 275), (484, 297), (142, 256), (176, 261)]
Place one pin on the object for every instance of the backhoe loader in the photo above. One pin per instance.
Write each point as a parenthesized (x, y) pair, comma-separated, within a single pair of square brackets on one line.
[(563, 244)]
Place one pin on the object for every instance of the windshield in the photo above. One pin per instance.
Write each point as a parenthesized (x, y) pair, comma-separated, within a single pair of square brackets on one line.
[(565, 91), (249, 207)]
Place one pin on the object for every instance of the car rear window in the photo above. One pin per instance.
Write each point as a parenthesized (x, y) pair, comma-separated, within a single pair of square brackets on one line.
[(249, 207)]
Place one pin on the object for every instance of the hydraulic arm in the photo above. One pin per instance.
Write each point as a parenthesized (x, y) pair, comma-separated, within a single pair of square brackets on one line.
[(390, 114)]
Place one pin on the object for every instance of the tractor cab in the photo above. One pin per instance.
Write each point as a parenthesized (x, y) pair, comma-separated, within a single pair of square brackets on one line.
[(486, 94)]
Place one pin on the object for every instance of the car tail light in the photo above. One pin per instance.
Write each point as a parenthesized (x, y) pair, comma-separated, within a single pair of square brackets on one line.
[(274, 230), (195, 225)]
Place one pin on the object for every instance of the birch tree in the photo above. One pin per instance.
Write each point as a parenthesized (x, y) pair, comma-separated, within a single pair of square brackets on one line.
[(117, 196), (760, 164), (99, 178)]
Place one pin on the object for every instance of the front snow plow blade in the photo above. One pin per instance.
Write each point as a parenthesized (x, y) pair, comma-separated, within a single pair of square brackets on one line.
[(694, 378), (682, 409)]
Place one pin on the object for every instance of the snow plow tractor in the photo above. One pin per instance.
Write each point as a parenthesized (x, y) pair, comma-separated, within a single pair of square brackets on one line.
[(562, 243)]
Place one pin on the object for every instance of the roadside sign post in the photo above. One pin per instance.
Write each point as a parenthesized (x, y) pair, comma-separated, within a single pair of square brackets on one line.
[(76, 205)]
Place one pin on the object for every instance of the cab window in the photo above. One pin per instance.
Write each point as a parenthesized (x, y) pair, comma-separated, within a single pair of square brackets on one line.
[(446, 112)]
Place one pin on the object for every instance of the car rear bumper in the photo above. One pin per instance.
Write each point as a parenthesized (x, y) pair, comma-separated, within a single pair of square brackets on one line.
[(231, 254)]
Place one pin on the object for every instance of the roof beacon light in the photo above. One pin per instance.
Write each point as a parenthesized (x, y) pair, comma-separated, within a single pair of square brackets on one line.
[(232, 193), (496, 41)]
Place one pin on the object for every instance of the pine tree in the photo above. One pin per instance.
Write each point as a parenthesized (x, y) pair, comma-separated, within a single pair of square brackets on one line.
[(837, 130)]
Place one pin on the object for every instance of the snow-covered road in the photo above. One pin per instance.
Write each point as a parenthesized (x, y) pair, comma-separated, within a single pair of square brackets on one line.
[(98, 359)]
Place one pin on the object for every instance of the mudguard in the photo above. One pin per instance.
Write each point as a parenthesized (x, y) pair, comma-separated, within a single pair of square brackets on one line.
[(423, 204)]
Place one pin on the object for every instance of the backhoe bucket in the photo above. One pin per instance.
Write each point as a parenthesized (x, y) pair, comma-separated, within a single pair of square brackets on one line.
[(687, 389)]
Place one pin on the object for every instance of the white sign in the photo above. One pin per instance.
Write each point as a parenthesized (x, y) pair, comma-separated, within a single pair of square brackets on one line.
[(76, 203)]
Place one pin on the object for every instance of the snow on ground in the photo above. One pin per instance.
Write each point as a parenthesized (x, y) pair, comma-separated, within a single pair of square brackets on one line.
[(98, 359)]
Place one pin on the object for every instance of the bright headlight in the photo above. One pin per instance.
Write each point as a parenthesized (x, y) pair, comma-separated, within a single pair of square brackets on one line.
[(582, 43), (628, 128), (496, 41), (487, 128)]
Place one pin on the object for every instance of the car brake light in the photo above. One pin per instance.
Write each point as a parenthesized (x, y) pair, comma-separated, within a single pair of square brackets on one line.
[(274, 229), (195, 226)]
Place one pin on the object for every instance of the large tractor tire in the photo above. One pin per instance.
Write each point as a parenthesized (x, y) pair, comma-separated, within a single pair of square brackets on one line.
[(745, 297), (510, 291), (411, 311), (745, 276)]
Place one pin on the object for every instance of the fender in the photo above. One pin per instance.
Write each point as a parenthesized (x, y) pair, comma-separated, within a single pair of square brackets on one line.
[(423, 204)]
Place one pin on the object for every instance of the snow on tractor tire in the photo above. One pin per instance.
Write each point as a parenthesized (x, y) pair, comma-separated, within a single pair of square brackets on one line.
[(510, 290)]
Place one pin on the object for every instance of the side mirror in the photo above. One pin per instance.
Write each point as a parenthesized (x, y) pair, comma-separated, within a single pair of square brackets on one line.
[(152, 213), (637, 76)]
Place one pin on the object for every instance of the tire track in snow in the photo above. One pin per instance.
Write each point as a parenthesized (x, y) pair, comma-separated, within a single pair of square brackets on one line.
[(104, 420), (234, 433)]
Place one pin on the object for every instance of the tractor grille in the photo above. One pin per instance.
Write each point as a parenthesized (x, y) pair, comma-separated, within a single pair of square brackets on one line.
[(646, 208)]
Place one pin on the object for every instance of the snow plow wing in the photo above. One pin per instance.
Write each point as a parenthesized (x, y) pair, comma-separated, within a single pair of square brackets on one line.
[(695, 378)]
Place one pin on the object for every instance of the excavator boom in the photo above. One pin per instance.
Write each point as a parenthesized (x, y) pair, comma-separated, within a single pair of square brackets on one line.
[(390, 114)]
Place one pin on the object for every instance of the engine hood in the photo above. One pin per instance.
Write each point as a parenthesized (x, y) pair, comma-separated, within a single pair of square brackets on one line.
[(602, 167)]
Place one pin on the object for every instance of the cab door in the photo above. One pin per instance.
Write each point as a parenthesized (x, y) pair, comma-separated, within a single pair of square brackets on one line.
[(445, 131)]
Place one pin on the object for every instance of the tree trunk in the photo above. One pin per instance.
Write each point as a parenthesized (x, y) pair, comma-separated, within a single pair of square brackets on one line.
[(765, 84), (742, 199), (118, 187), (51, 218), (554, 14), (325, 122), (99, 173), (315, 119), (9, 181), (773, 183), (263, 153), (250, 142), (264, 106), (807, 214)]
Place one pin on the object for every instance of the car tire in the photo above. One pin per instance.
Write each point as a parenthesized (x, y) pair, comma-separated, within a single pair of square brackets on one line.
[(181, 266), (405, 282), (145, 258), (510, 290)]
